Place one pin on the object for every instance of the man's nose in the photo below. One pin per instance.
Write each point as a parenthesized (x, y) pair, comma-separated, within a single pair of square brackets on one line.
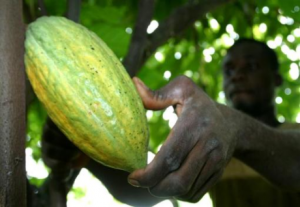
[(238, 74)]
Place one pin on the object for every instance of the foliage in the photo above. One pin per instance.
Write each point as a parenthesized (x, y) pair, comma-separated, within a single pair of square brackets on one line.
[(36, 117), (198, 51), (78, 192)]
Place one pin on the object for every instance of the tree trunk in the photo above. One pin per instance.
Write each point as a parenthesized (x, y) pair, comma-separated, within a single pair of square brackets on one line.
[(12, 109)]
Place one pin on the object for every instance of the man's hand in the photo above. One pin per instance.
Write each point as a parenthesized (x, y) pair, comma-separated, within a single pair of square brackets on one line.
[(197, 149), (58, 152)]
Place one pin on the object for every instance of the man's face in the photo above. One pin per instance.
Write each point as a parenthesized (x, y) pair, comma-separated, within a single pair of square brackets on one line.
[(249, 80)]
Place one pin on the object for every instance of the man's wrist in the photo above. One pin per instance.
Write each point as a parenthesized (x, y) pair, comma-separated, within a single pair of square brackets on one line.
[(238, 127)]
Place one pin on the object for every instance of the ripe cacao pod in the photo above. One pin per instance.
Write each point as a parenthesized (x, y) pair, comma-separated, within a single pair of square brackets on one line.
[(87, 92)]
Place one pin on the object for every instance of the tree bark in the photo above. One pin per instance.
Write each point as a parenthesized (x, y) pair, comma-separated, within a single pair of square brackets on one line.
[(42, 7), (12, 109), (179, 20), (139, 37), (141, 47), (59, 177), (73, 12)]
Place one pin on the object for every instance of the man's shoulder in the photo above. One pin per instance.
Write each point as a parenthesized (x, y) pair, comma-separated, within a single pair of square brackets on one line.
[(289, 125)]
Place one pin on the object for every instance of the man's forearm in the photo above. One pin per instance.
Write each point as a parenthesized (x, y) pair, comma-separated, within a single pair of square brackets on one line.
[(273, 153)]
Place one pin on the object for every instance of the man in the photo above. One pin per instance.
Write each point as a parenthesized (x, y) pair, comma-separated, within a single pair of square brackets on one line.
[(205, 138), (251, 74)]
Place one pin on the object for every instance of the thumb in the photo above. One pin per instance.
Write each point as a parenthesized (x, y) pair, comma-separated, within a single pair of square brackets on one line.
[(155, 100)]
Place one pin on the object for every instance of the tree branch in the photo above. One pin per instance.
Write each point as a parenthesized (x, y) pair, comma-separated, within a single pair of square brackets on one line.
[(73, 12), (134, 57), (248, 11), (58, 185), (26, 13), (42, 6), (178, 21)]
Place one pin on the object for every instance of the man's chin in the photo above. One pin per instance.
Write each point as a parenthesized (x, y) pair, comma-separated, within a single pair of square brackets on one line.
[(247, 108)]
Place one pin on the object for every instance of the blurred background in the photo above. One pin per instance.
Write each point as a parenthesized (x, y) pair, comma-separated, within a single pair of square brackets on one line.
[(195, 50)]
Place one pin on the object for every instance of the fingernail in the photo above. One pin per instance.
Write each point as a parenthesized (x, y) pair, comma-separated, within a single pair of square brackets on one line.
[(139, 81), (134, 183)]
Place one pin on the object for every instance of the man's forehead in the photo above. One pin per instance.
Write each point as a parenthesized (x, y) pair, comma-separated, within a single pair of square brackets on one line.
[(241, 56), (246, 51)]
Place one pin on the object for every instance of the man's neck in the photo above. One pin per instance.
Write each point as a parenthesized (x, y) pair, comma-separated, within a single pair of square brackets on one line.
[(267, 116)]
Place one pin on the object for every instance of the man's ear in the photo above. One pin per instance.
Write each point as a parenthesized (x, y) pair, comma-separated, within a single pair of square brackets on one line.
[(278, 79)]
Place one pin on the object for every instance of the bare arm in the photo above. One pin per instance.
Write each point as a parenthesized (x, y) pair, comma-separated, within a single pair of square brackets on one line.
[(273, 153), (205, 138)]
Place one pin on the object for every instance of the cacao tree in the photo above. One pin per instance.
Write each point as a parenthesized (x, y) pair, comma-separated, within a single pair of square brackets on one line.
[(12, 110)]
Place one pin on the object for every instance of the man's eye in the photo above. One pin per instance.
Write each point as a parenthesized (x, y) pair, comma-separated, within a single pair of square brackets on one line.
[(252, 66), (229, 71)]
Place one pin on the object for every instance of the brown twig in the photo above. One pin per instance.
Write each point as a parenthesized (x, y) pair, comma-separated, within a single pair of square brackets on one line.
[(73, 12), (42, 7), (134, 56), (247, 10), (59, 183), (26, 13), (178, 21)]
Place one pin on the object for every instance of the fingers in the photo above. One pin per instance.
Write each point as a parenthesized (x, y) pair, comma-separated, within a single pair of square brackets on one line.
[(172, 94), (202, 162), (57, 151), (210, 183), (180, 182), (154, 100), (207, 178), (53, 135), (200, 170), (174, 151), (192, 158)]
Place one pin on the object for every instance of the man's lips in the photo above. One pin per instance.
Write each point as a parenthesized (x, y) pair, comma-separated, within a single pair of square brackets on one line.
[(240, 92)]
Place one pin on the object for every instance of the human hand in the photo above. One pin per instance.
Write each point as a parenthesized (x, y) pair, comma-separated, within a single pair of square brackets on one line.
[(197, 149), (58, 152)]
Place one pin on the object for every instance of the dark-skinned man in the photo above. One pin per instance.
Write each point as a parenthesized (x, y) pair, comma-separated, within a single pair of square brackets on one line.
[(251, 74), (205, 138)]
